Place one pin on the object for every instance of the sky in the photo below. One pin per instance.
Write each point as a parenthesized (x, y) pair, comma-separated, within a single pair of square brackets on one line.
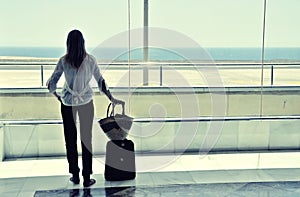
[(211, 23)]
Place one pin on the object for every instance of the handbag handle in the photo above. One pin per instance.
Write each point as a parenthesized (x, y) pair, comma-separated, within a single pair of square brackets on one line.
[(113, 108)]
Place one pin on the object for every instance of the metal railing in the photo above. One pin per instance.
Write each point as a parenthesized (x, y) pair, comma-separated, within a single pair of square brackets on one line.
[(157, 120), (162, 67)]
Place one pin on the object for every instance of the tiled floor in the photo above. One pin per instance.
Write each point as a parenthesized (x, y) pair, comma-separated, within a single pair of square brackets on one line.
[(25, 177)]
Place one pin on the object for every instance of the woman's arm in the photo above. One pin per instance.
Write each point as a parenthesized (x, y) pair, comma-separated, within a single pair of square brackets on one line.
[(106, 91), (102, 85), (52, 81)]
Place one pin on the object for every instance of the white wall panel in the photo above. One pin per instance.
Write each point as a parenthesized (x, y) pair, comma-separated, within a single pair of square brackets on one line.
[(157, 137), (284, 134), (50, 140), (228, 138), (21, 141), (2, 153), (253, 135)]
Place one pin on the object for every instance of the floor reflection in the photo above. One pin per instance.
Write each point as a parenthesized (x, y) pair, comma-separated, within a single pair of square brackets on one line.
[(88, 192), (120, 191), (76, 192), (216, 189)]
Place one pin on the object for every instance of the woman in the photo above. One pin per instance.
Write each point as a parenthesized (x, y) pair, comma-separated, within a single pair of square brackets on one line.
[(78, 67)]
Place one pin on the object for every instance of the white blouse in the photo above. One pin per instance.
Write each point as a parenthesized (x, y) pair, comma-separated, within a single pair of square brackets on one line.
[(76, 90)]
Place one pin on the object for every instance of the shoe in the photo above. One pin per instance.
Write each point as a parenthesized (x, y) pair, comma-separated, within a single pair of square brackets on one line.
[(89, 182), (75, 180)]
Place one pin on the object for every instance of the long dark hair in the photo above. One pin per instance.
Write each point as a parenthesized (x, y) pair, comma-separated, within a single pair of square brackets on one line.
[(75, 48)]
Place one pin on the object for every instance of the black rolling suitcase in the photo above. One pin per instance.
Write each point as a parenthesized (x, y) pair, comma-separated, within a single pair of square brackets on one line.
[(120, 160)]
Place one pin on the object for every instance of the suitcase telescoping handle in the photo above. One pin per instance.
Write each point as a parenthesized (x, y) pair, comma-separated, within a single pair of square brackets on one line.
[(113, 108)]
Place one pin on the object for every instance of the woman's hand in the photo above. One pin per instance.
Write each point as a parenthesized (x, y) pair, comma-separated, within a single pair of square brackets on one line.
[(116, 101), (57, 96)]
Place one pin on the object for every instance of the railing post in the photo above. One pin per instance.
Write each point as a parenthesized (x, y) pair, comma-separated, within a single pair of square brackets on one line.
[(42, 75), (161, 75), (146, 47), (272, 75)]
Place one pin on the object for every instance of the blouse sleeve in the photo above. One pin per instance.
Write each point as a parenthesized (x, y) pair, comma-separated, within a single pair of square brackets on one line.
[(98, 77), (52, 81)]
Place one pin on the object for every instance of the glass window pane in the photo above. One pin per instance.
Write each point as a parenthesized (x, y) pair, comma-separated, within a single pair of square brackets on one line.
[(283, 41), (230, 32)]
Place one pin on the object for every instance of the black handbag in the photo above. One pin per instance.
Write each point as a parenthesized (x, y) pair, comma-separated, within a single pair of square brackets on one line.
[(116, 126)]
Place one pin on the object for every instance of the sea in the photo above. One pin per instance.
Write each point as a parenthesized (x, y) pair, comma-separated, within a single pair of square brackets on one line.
[(159, 54)]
